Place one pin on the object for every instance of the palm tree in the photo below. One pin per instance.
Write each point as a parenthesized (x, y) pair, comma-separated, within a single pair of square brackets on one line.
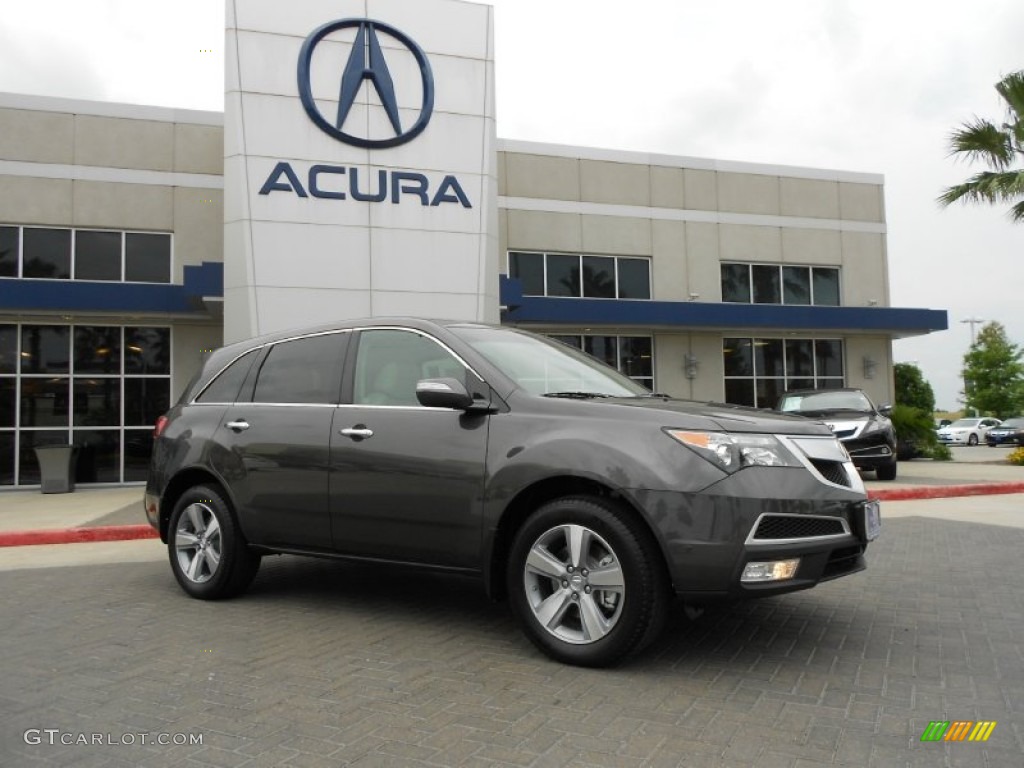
[(998, 146)]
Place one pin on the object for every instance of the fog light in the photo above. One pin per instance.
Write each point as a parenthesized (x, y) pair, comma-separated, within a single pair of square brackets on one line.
[(776, 570)]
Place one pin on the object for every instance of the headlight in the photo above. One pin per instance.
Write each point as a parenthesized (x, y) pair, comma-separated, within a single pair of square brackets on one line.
[(731, 452)]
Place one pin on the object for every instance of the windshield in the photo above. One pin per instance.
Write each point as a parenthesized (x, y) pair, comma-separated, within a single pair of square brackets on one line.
[(964, 423), (826, 401), (543, 366)]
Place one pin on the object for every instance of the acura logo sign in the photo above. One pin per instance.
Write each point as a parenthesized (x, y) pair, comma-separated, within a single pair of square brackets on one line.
[(366, 62)]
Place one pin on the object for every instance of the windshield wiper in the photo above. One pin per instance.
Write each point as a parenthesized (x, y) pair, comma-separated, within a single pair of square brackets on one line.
[(576, 395)]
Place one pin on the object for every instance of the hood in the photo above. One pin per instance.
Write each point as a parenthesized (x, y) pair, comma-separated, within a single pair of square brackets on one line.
[(691, 414)]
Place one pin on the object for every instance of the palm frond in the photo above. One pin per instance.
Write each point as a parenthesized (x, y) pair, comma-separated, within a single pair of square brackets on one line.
[(1011, 88), (984, 141), (1017, 213), (987, 186)]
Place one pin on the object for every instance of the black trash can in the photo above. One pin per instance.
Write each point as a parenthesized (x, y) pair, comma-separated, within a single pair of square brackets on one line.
[(56, 468)]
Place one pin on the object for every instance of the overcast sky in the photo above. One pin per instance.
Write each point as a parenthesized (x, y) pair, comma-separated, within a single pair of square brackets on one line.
[(859, 85)]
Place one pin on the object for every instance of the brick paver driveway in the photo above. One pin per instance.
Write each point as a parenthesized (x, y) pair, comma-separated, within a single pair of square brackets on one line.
[(327, 664)]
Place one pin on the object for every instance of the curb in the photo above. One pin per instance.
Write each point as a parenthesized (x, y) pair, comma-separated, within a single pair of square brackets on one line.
[(77, 535), (946, 491)]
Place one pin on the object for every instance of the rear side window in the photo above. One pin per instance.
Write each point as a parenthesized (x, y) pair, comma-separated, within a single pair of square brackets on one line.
[(224, 388), (302, 371)]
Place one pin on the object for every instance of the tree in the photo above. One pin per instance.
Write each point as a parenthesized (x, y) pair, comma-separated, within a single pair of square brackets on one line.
[(912, 389), (993, 374), (1001, 147)]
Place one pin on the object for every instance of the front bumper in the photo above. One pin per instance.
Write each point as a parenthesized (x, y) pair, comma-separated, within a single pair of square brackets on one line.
[(871, 452), (708, 537)]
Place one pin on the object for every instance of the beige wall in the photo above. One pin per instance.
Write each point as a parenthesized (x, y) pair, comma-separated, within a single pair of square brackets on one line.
[(189, 342)]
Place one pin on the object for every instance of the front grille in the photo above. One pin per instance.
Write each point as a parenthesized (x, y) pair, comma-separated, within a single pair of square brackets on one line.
[(775, 527), (833, 471)]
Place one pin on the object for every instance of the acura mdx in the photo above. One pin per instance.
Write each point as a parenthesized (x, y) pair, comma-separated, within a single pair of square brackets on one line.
[(578, 495)]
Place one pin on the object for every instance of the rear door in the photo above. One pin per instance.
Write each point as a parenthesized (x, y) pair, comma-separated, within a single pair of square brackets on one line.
[(277, 444), (406, 481)]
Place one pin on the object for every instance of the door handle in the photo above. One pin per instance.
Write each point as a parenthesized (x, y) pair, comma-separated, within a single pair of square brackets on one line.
[(356, 433), (239, 425)]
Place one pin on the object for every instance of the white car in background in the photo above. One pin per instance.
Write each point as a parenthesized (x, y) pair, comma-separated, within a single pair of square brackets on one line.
[(967, 431)]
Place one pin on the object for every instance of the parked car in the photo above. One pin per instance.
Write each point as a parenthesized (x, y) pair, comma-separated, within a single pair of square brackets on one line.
[(1010, 432), (579, 495), (863, 428), (967, 431), (940, 423)]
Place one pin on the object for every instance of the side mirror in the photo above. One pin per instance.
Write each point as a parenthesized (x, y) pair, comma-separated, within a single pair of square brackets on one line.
[(885, 410), (443, 393)]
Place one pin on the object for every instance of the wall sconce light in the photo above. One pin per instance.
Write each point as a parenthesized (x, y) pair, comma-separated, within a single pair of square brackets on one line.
[(869, 367), (690, 364)]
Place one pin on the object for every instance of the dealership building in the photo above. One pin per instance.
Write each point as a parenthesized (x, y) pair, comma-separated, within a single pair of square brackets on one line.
[(356, 171)]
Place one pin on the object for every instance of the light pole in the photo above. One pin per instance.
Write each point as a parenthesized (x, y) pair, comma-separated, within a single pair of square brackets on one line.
[(972, 321)]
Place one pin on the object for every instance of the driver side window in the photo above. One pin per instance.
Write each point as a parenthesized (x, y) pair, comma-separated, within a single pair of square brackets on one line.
[(389, 363)]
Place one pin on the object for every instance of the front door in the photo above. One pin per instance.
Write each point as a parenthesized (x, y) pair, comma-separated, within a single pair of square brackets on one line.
[(406, 481)]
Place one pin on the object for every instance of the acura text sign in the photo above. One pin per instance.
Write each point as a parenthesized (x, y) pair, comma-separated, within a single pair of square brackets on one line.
[(360, 179)]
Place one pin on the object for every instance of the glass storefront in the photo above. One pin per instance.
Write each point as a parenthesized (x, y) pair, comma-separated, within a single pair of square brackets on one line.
[(100, 388)]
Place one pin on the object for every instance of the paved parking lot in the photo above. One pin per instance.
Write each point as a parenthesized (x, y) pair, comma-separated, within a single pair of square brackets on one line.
[(327, 664)]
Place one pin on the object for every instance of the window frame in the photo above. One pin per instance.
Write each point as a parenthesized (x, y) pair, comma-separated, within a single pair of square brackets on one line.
[(817, 379), (812, 294), (616, 259)]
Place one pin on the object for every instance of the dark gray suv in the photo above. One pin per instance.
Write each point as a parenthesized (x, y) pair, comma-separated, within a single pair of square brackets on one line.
[(581, 497)]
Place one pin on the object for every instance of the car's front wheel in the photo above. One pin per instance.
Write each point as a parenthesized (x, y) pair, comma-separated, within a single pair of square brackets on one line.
[(972, 440), (586, 581), (208, 556)]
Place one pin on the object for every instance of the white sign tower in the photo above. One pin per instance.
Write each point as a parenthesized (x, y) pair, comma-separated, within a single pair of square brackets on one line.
[(359, 162)]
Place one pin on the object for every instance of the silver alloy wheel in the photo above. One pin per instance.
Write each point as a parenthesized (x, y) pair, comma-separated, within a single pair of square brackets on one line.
[(574, 584), (197, 543)]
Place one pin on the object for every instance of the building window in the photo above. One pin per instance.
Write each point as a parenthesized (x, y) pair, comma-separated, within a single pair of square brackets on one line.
[(85, 254), (577, 276), (631, 355), (758, 371), (777, 284), (100, 388)]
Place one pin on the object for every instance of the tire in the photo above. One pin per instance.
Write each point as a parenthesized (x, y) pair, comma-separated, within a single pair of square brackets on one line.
[(887, 471), (972, 440), (209, 557), (554, 593)]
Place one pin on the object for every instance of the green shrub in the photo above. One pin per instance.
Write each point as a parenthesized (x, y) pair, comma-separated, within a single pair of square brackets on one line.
[(915, 432), (940, 452), (1017, 457)]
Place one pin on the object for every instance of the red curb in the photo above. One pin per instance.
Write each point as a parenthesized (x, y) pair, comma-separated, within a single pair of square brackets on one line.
[(946, 491), (76, 535)]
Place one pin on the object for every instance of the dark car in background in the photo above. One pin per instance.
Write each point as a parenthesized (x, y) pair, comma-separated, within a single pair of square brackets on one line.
[(1010, 432), (577, 494), (863, 428)]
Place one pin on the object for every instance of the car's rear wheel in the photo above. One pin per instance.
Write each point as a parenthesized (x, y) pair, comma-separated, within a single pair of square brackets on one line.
[(972, 440), (887, 471), (586, 581), (208, 555)]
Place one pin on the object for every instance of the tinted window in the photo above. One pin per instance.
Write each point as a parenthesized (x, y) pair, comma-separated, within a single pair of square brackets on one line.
[(147, 350), (563, 275), (389, 364), (47, 253), (736, 283), (826, 287), (97, 255), (739, 361), (145, 400), (528, 268), (634, 279), (44, 402), (8, 349), (603, 348), (8, 251), (301, 371), (828, 354), (799, 359), (796, 285), (7, 400), (6, 458), (598, 277), (97, 349), (224, 388), (766, 285), (147, 258), (97, 402), (45, 349)]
